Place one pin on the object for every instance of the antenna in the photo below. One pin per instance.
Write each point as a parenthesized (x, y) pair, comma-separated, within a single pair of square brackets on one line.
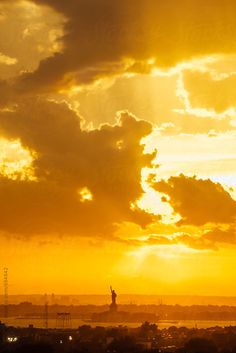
[(46, 312), (5, 286)]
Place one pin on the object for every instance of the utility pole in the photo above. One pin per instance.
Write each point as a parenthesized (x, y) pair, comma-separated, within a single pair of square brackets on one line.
[(5, 287)]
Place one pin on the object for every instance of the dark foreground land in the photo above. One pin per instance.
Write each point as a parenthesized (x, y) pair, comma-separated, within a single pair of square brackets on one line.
[(146, 338)]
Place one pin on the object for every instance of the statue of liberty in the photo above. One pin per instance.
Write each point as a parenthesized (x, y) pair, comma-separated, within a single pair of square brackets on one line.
[(113, 305)]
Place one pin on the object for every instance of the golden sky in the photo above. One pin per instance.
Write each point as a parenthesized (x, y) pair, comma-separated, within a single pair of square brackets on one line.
[(118, 146)]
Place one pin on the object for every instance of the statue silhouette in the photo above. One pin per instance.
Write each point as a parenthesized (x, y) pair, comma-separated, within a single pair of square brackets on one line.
[(113, 305)]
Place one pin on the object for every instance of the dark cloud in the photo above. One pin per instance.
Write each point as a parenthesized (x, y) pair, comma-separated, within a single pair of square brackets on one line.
[(100, 34), (7, 94), (190, 240), (196, 242), (198, 201), (222, 236), (107, 161)]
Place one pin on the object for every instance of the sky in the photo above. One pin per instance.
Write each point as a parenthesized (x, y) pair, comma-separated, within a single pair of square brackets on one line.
[(118, 146)]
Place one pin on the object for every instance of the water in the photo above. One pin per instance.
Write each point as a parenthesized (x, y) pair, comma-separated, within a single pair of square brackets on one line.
[(75, 323)]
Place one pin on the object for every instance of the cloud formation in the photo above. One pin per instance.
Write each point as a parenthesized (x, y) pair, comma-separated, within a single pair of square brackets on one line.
[(107, 161), (200, 238), (103, 38), (198, 201), (188, 240), (106, 38), (28, 34), (222, 236)]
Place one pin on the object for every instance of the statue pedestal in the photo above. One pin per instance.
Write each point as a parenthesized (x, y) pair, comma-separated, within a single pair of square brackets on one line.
[(113, 308)]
